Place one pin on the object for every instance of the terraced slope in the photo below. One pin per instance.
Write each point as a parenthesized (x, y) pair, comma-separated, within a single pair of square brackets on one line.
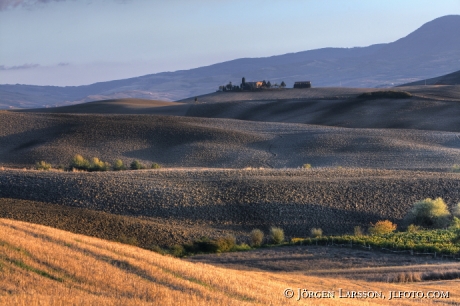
[(41, 265)]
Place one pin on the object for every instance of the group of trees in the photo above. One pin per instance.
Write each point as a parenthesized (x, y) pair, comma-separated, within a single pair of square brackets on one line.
[(428, 213), (78, 162), (250, 86), (431, 213)]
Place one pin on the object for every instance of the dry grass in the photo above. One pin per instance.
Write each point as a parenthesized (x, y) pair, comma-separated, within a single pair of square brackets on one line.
[(45, 266)]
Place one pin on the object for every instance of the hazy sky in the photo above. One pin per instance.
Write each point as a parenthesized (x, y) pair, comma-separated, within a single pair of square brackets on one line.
[(74, 42)]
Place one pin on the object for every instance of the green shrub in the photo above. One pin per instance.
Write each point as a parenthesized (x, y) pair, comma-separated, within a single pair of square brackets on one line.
[(157, 249), (256, 237), (358, 231), (127, 240), (456, 211), (457, 238), (413, 228), (80, 163), (42, 165), (136, 165), (242, 247), (456, 168), (98, 165), (177, 250), (155, 166), (119, 165), (429, 213), (306, 166), (455, 224), (316, 232), (225, 244), (382, 227), (203, 245), (276, 235)]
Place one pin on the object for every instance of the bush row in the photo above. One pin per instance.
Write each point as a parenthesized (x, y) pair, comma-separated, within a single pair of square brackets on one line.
[(78, 162), (431, 241)]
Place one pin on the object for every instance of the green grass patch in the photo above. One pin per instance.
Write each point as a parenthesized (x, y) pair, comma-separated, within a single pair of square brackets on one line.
[(24, 266), (42, 165), (14, 248)]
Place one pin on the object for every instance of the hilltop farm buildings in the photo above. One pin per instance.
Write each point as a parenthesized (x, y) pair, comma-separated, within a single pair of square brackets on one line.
[(259, 85)]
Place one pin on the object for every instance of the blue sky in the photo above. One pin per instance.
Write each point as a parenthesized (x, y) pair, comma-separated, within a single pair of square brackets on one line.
[(75, 42)]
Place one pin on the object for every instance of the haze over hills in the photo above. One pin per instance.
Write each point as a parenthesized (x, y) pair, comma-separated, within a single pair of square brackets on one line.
[(433, 49)]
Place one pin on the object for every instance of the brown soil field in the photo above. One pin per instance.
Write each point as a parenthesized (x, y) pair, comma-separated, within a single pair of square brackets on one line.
[(119, 106), (230, 163), (236, 201), (175, 141), (429, 108), (145, 232)]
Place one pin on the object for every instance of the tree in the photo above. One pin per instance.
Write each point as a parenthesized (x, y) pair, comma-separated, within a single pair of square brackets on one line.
[(269, 84), (429, 213), (276, 235), (257, 237), (136, 165), (283, 84), (456, 211), (119, 165), (80, 163), (382, 227)]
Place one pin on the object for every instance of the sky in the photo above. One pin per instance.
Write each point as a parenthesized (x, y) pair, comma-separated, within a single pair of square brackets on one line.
[(78, 42)]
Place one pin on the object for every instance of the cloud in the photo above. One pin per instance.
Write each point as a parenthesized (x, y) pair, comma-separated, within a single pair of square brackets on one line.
[(25, 66), (7, 4)]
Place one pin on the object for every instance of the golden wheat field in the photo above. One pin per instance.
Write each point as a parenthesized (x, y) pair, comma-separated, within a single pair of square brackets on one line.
[(45, 266)]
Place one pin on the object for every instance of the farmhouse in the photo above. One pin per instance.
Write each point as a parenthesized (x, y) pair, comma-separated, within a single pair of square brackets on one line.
[(252, 85), (302, 84), (258, 85)]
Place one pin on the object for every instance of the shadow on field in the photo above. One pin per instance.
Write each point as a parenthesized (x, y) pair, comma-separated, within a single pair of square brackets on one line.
[(178, 224)]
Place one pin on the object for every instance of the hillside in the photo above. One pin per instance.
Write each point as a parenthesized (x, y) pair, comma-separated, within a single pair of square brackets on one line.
[(41, 265), (182, 204), (119, 106), (448, 79), (433, 49), (175, 141)]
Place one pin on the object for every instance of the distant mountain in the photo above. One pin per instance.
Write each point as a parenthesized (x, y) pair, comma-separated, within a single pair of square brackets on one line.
[(433, 49), (448, 79)]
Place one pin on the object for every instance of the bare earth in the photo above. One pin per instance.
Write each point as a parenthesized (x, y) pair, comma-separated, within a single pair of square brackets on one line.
[(231, 163), (236, 201)]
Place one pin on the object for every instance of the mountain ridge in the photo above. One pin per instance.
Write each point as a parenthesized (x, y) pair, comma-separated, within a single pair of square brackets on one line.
[(432, 49)]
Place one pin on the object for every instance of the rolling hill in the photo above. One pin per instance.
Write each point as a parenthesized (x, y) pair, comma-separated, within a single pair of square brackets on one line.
[(61, 268), (210, 150), (433, 49), (448, 79), (275, 129)]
